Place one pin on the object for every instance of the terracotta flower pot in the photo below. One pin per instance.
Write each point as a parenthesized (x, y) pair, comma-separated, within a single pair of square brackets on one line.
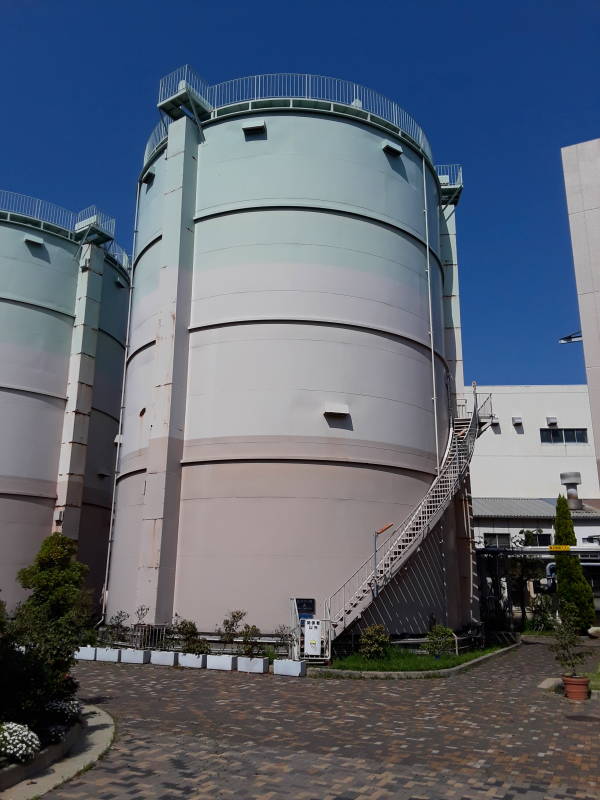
[(576, 688)]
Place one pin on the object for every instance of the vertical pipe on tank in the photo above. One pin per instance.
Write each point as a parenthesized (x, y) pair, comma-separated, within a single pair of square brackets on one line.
[(431, 340), (121, 411)]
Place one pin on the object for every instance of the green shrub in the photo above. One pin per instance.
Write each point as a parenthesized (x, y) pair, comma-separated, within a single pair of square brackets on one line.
[(37, 646), (440, 641), (566, 638), (116, 630), (542, 613), (374, 642), (184, 633), (250, 645), (231, 626)]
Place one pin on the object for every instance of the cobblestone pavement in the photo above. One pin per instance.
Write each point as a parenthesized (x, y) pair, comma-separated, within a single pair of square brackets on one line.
[(485, 733)]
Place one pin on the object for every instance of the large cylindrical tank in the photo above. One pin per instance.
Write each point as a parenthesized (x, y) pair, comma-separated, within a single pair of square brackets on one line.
[(280, 403), (63, 314)]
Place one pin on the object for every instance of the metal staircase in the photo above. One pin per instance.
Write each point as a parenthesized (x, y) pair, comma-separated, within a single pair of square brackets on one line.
[(347, 603)]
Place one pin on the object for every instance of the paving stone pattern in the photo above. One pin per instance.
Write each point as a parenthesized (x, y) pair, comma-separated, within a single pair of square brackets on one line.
[(485, 733)]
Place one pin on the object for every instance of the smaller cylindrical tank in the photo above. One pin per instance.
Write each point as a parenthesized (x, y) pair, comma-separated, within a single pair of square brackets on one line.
[(63, 314)]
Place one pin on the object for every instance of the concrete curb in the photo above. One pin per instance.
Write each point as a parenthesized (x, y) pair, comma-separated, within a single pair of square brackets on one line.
[(97, 738), (324, 672), (17, 773)]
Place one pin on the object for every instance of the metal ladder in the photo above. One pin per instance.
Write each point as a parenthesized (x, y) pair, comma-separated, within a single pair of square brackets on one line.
[(359, 591)]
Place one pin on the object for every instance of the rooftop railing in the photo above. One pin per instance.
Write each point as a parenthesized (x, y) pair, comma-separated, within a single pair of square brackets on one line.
[(449, 174), (93, 215), (287, 85), (38, 209), (43, 211)]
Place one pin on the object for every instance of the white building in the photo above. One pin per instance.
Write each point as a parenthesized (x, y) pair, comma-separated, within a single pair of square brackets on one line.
[(537, 433)]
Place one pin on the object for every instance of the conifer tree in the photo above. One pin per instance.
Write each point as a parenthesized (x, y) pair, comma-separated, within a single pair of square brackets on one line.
[(572, 585)]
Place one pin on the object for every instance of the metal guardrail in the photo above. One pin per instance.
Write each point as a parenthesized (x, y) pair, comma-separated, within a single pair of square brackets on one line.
[(159, 133), (101, 220), (170, 84), (43, 211), (16, 203), (287, 85), (449, 174)]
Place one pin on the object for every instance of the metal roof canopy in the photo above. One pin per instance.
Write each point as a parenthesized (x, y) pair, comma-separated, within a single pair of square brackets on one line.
[(526, 507)]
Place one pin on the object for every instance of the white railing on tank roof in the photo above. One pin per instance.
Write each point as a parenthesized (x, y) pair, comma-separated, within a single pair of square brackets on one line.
[(159, 133), (449, 174), (27, 206), (43, 211), (290, 85), (101, 220)]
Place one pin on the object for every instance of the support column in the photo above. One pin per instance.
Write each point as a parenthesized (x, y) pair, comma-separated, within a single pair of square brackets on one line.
[(160, 516), (82, 364), (452, 324)]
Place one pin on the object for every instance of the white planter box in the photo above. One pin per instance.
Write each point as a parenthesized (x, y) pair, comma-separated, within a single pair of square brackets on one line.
[(108, 654), (286, 666), (86, 653), (246, 664), (228, 663), (166, 658), (131, 656), (192, 660)]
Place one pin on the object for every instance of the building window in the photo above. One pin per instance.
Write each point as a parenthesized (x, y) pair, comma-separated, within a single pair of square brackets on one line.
[(496, 539), (563, 435), (534, 539)]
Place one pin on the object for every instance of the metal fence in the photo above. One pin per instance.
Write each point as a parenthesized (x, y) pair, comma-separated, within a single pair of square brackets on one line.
[(118, 253), (101, 220), (159, 133), (449, 174), (288, 85), (41, 210), (38, 209)]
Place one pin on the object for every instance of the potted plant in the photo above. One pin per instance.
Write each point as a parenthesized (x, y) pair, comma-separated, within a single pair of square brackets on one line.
[(193, 648), (227, 635), (566, 641), (251, 661)]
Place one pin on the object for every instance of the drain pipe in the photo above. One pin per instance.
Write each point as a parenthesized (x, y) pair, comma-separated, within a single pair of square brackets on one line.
[(431, 342), (121, 412)]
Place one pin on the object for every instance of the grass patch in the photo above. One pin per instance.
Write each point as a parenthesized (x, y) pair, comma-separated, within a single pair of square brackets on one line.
[(594, 677), (397, 660)]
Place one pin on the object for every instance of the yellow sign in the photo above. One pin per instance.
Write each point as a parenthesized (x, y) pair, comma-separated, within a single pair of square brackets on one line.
[(559, 547)]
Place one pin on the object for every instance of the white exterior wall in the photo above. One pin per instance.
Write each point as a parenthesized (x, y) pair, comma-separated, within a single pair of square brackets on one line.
[(512, 462), (581, 169)]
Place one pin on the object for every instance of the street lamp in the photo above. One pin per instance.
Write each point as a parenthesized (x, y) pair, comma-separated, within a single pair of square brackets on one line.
[(375, 535)]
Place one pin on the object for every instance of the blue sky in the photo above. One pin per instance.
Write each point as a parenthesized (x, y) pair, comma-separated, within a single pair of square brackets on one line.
[(499, 87)]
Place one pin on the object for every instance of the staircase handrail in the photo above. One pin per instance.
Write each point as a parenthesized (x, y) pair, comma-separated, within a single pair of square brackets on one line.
[(454, 465)]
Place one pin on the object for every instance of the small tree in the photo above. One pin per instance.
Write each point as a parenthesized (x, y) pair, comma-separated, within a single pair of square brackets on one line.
[(49, 625), (231, 626), (572, 586), (190, 640), (250, 645), (566, 639), (374, 642)]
